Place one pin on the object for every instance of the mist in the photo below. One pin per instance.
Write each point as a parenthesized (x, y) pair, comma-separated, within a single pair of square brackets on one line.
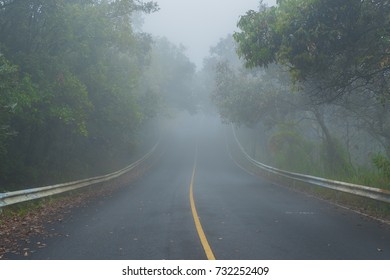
[(197, 25), (214, 112), (79, 85)]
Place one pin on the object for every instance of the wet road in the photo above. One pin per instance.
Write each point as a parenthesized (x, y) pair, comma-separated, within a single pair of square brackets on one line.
[(240, 215)]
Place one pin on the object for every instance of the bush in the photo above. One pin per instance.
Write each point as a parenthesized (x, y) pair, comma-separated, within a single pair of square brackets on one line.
[(382, 163), (291, 151)]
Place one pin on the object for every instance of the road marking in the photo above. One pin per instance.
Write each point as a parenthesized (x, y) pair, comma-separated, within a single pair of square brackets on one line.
[(299, 213), (198, 225)]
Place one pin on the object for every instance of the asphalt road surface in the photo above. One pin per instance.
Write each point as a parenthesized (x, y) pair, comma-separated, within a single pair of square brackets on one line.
[(238, 215)]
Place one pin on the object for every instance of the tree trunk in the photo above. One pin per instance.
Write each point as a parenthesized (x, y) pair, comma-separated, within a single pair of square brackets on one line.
[(333, 162)]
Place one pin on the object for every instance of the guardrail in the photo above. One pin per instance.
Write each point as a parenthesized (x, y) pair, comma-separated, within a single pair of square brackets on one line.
[(296, 178), (15, 197)]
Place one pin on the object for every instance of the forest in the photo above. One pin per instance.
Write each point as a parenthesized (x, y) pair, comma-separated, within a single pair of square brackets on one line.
[(80, 85), (306, 83), (311, 81)]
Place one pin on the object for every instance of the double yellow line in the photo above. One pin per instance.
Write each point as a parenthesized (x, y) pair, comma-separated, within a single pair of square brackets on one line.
[(198, 225)]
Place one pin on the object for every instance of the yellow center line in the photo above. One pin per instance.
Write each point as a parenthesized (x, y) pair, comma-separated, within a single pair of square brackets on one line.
[(198, 225)]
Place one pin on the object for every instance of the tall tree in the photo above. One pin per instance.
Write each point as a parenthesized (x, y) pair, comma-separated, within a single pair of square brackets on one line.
[(170, 76), (336, 45), (77, 65)]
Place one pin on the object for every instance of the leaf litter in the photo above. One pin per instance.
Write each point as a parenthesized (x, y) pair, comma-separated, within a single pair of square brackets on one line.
[(17, 230)]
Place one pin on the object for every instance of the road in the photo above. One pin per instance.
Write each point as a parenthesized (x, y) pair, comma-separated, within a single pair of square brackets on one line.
[(240, 216)]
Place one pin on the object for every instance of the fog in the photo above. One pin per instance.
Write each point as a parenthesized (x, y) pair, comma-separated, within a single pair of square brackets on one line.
[(80, 87), (89, 87), (197, 24)]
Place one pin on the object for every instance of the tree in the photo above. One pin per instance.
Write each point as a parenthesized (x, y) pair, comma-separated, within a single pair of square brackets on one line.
[(73, 69), (265, 96), (248, 96), (169, 77), (337, 46)]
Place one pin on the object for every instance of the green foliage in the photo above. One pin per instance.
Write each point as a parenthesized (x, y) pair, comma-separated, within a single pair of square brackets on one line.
[(337, 44), (168, 80), (291, 151), (69, 72), (367, 177), (258, 41), (382, 163), (336, 53), (244, 97), (18, 95), (8, 86), (335, 160)]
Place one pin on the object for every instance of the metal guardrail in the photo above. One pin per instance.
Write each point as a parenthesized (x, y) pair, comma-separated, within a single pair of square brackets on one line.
[(15, 197), (293, 178)]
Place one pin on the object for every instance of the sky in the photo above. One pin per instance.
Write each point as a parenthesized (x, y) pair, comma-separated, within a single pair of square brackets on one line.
[(197, 24)]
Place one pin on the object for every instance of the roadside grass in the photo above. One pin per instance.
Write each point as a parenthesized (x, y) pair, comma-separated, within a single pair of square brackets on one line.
[(22, 209), (360, 176), (25, 208), (369, 178), (377, 209)]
